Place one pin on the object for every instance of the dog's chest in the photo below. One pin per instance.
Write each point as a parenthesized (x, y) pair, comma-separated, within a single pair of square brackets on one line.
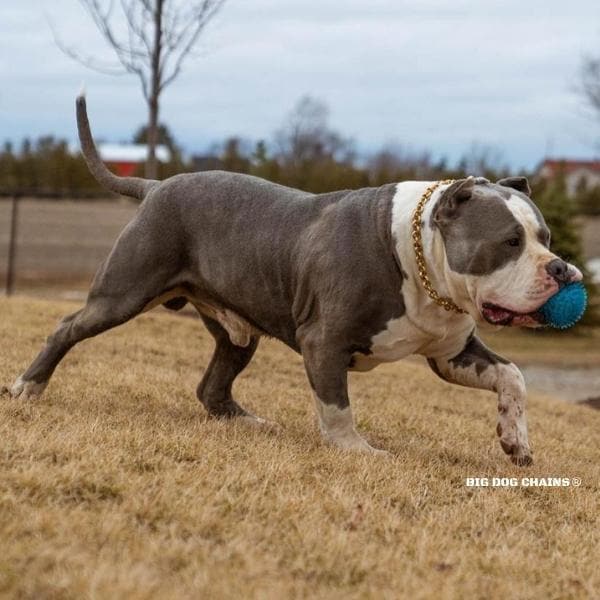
[(399, 339)]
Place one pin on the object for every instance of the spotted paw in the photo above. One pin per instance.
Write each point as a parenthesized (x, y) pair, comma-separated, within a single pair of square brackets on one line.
[(519, 455), (522, 461)]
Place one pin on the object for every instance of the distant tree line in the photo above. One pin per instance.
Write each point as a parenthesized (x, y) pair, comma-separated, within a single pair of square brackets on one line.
[(44, 166), (305, 153)]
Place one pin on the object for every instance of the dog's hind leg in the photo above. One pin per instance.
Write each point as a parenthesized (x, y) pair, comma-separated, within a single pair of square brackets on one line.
[(228, 361), (124, 285), (98, 315)]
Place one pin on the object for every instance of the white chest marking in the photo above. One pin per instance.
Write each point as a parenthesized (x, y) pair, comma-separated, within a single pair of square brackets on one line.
[(399, 339)]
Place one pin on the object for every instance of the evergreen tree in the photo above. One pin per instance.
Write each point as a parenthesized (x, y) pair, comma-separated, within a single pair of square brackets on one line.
[(560, 212), (176, 163), (263, 165), (233, 156), (588, 200), (8, 167)]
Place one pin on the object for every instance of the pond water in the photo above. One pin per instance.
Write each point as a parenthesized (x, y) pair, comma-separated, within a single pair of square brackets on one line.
[(593, 266), (570, 384)]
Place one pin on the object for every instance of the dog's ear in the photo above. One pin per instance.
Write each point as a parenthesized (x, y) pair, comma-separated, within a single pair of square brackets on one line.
[(516, 183), (447, 206)]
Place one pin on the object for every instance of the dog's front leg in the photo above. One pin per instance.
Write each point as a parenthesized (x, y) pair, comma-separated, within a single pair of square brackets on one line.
[(327, 371), (477, 366)]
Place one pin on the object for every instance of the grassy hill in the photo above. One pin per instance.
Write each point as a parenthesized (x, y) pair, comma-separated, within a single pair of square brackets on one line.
[(116, 484)]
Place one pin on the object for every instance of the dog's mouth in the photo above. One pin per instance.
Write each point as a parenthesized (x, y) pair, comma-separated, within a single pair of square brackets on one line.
[(499, 315)]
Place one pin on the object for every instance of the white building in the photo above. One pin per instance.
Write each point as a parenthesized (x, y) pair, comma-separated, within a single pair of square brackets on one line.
[(574, 171)]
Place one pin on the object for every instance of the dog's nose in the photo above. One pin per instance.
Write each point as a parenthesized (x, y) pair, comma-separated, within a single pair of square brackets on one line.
[(559, 270)]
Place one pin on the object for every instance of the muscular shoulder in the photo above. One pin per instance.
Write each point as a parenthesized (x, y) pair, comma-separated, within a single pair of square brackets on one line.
[(347, 256)]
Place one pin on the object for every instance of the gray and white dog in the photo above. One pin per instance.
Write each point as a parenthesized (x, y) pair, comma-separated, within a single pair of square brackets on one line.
[(333, 276)]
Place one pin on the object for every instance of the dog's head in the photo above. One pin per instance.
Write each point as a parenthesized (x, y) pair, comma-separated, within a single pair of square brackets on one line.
[(497, 250)]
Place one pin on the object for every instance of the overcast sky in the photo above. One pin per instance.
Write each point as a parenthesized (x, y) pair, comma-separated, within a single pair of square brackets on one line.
[(428, 74)]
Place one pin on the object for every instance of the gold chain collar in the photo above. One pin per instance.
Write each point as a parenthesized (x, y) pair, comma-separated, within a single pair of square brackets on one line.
[(417, 240)]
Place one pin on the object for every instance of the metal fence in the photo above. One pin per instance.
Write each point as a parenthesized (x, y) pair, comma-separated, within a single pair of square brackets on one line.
[(55, 245)]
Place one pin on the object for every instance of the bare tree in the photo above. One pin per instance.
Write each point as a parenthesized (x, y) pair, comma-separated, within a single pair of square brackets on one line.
[(307, 137), (485, 160), (159, 35), (590, 83), (395, 162)]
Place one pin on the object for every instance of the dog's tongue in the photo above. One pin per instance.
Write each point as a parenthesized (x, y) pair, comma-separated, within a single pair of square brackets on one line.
[(497, 314)]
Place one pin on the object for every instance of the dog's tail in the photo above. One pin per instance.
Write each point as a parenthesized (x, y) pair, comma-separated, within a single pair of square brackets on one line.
[(128, 186)]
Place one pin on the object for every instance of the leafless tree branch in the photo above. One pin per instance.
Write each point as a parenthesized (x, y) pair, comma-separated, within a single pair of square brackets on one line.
[(590, 82), (87, 61), (180, 43), (160, 34)]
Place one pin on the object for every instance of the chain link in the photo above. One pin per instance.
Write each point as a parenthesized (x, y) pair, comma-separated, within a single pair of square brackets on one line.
[(417, 240)]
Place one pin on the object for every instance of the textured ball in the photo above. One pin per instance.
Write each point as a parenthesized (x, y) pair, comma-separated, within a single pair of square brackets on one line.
[(566, 307)]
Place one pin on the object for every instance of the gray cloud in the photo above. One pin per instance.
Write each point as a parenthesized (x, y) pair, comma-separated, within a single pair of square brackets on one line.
[(433, 74)]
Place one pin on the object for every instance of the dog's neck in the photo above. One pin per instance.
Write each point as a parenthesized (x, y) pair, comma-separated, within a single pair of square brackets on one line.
[(406, 199)]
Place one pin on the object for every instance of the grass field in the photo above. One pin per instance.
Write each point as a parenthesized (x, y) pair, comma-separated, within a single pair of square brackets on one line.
[(115, 484), (562, 349)]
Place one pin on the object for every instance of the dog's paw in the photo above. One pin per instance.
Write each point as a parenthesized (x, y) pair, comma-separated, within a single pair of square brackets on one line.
[(514, 443), (519, 455), (522, 461), (354, 443), (26, 390), (379, 452), (366, 448), (259, 423)]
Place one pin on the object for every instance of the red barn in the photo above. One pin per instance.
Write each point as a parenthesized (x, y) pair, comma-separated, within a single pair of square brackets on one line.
[(124, 159)]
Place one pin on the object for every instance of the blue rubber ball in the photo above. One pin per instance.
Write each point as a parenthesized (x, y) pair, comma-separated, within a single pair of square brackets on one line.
[(566, 307)]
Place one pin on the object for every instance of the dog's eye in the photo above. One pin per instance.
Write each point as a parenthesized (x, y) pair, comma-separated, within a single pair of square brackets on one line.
[(514, 242)]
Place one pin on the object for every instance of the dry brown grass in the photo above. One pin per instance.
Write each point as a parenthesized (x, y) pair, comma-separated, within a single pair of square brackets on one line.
[(578, 348), (116, 485)]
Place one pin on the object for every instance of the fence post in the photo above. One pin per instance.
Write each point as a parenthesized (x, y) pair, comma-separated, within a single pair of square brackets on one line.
[(12, 244)]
